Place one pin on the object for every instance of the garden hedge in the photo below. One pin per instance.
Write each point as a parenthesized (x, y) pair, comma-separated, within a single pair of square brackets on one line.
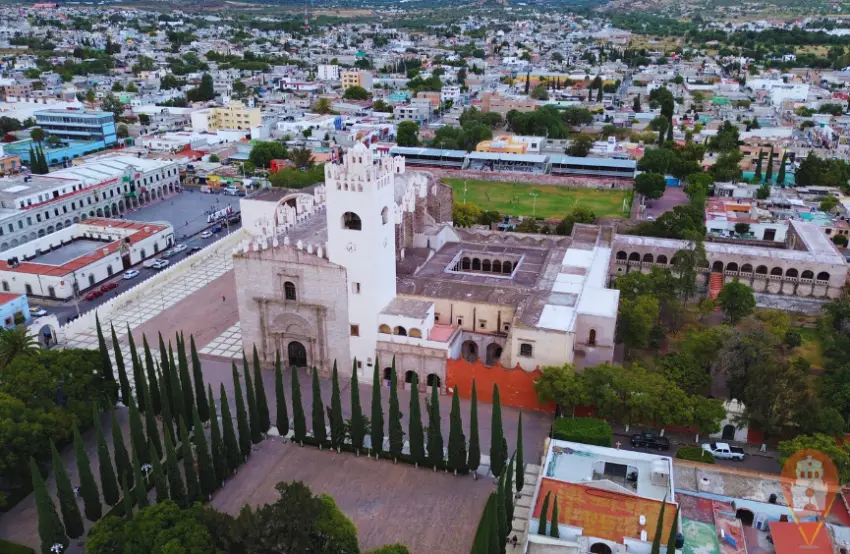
[(585, 430), (694, 454), (7, 547)]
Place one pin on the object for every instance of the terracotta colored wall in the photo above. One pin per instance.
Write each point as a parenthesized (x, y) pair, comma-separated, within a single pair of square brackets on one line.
[(516, 386)]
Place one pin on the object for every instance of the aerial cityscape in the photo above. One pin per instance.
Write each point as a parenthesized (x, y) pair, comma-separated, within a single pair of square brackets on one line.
[(405, 277)]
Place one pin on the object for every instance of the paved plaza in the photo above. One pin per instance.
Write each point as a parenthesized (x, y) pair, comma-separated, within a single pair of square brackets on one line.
[(226, 345), (185, 211)]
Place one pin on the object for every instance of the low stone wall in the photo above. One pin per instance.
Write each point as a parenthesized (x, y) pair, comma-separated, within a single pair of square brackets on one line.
[(609, 183)]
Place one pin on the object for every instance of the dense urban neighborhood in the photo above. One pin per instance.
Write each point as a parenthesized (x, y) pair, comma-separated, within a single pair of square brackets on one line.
[(413, 278)]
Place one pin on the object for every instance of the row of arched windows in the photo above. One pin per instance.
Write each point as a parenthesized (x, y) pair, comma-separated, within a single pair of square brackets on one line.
[(400, 331), (486, 266)]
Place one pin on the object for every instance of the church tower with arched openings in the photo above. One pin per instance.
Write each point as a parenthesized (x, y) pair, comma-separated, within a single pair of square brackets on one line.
[(361, 212)]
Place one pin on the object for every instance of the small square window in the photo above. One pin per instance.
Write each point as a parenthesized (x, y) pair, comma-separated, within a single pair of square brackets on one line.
[(526, 350), (355, 330), (355, 288), (436, 317), (506, 327), (482, 324), (359, 364), (460, 322)]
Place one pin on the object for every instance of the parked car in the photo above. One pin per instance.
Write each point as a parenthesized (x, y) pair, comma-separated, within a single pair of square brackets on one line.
[(206, 235), (150, 263), (724, 451), (650, 440), (109, 286), (195, 249), (160, 264), (179, 247), (169, 253), (216, 229), (37, 311), (93, 295), (132, 274)]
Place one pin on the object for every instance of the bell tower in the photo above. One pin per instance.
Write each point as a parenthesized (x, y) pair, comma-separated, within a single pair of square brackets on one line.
[(361, 214)]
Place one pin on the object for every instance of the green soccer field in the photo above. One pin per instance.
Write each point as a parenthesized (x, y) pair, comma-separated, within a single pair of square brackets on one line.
[(552, 201)]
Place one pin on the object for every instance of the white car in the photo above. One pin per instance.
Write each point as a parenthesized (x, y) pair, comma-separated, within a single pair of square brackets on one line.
[(36, 311), (149, 263), (131, 274), (179, 247), (206, 235), (160, 264)]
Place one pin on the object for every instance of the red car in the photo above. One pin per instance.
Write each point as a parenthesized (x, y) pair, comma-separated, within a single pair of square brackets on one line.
[(109, 286), (93, 295)]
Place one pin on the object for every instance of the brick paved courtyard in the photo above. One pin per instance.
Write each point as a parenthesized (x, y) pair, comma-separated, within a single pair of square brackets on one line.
[(429, 512)]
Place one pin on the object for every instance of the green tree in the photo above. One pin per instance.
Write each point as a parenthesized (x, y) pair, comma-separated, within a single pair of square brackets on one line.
[(636, 104), (768, 175), (674, 531), (357, 424), (838, 453), (160, 481), (111, 103), (186, 387), (260, 396), (50, 528), (473, 455), (193, 486), (176, 487), (155, 401), (206, 469), (126, 499), (580, 146), (37, 134), (377, 420), (540, 92), (203, 92), (123, 381), (498, 451), (282, 419), (105, 362), (509, 494), (579, 214), (217, 449), (337, 423), (737, 301), (635, 320), (178, 399), (465, 215), (828, 203), (651, 185), (544, 516), (198, 378), (554, 531), (105, 470), (408, 133), (520, 462), (67, 499), (253, 414), (122, 459), (140, 491), (241, 416), (659, 530), (396, 433), (501, 514), (415, 431), (263, 153), (356, 93), (137, 434), (88, 486), (299, 421), (457, 440), (232, 450), (780, 177), (758, 175), (435, 433), (561, 385), (319, 430), (165, 404), (152, 431)]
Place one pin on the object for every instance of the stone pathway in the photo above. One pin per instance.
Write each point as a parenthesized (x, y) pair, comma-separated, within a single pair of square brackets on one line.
[(226, 345)]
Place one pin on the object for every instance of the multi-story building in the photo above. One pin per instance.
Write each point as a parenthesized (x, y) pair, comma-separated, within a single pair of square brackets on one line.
[(356, 79), (328, 72), (10, 88), (233, 116), (32, 206), (78, 125), (492, 102), (450, 93), (413, 112)]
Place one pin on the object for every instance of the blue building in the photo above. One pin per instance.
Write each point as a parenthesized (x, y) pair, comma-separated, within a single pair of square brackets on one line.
[(14, 310), (55, 155), (78, 125)]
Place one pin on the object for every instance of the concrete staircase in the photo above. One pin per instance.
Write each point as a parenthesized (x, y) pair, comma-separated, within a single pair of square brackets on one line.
[(522, 506), (715, 283)]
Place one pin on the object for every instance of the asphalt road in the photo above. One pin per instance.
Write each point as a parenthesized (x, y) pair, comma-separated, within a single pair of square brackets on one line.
[(756, 462)]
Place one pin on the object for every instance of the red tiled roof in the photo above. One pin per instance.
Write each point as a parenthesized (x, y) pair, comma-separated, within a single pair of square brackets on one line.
[(97, 254), (8, 297)]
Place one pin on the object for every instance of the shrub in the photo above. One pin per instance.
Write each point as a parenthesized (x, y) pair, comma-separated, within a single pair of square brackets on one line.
[(793, 338), (694, 454), (7, 547), (840, 240), (586, 430)]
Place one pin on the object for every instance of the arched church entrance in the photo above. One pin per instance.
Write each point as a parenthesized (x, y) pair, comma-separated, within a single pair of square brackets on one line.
[(297, 354)]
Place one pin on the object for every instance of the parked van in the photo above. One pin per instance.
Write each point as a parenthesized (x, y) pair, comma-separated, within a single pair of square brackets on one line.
[(231, 191)]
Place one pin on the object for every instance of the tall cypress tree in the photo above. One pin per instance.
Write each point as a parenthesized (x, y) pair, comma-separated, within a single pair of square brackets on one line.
[(319, 431), (504, 528), (473, 456), (282, 419), (167, 417), (217, 450), (193, 486), (495, 542), (228, 434), (137, 368), (123, 381), (198, 379), (122, 460), (67, 500), (206, 469), (137, 435), (768, 175), (241, 416), (140, 491), (185, 381), (88, 486), (497, 436), (178, 405), (457, 440), (153, 385), (126, 499), (481, 543), (152, 431), (299, 420), (415, 431), (377, 412), (395, 430), (337, 422), (260, 396), (50, 528), (357, 425), (176, 488), (105, 470), (554, 531), (520, 463), (160, 481), (435, 433), (253, 417), (780, 176), (674, 531), (166, 374), (544, 515), (509, 494), (105, 362), (659, 529)]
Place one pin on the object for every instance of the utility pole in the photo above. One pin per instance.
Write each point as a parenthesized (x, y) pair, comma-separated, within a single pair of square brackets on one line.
[(464, 192), (534, 195)]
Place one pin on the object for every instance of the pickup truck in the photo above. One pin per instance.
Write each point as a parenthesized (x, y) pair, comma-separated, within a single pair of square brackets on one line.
[(724, 451), (650, 440)]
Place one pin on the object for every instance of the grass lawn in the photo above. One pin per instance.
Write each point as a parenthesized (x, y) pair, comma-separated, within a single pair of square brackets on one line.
[(811, 348), (552, 201)]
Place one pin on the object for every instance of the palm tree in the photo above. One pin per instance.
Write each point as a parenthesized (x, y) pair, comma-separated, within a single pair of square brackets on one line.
[(322, 106), (301, 157), (16, 342)]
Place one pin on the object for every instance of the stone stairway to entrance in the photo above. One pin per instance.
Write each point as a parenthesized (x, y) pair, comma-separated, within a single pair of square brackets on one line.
[(715, 284), (522, 506)]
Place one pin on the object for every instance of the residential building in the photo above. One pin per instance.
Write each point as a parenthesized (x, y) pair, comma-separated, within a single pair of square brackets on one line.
[(235, 116), (14, 310), (328, 72), (78, 125), (356, 78)]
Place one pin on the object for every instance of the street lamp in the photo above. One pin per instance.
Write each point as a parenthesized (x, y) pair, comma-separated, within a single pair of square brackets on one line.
[(534, 195)]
